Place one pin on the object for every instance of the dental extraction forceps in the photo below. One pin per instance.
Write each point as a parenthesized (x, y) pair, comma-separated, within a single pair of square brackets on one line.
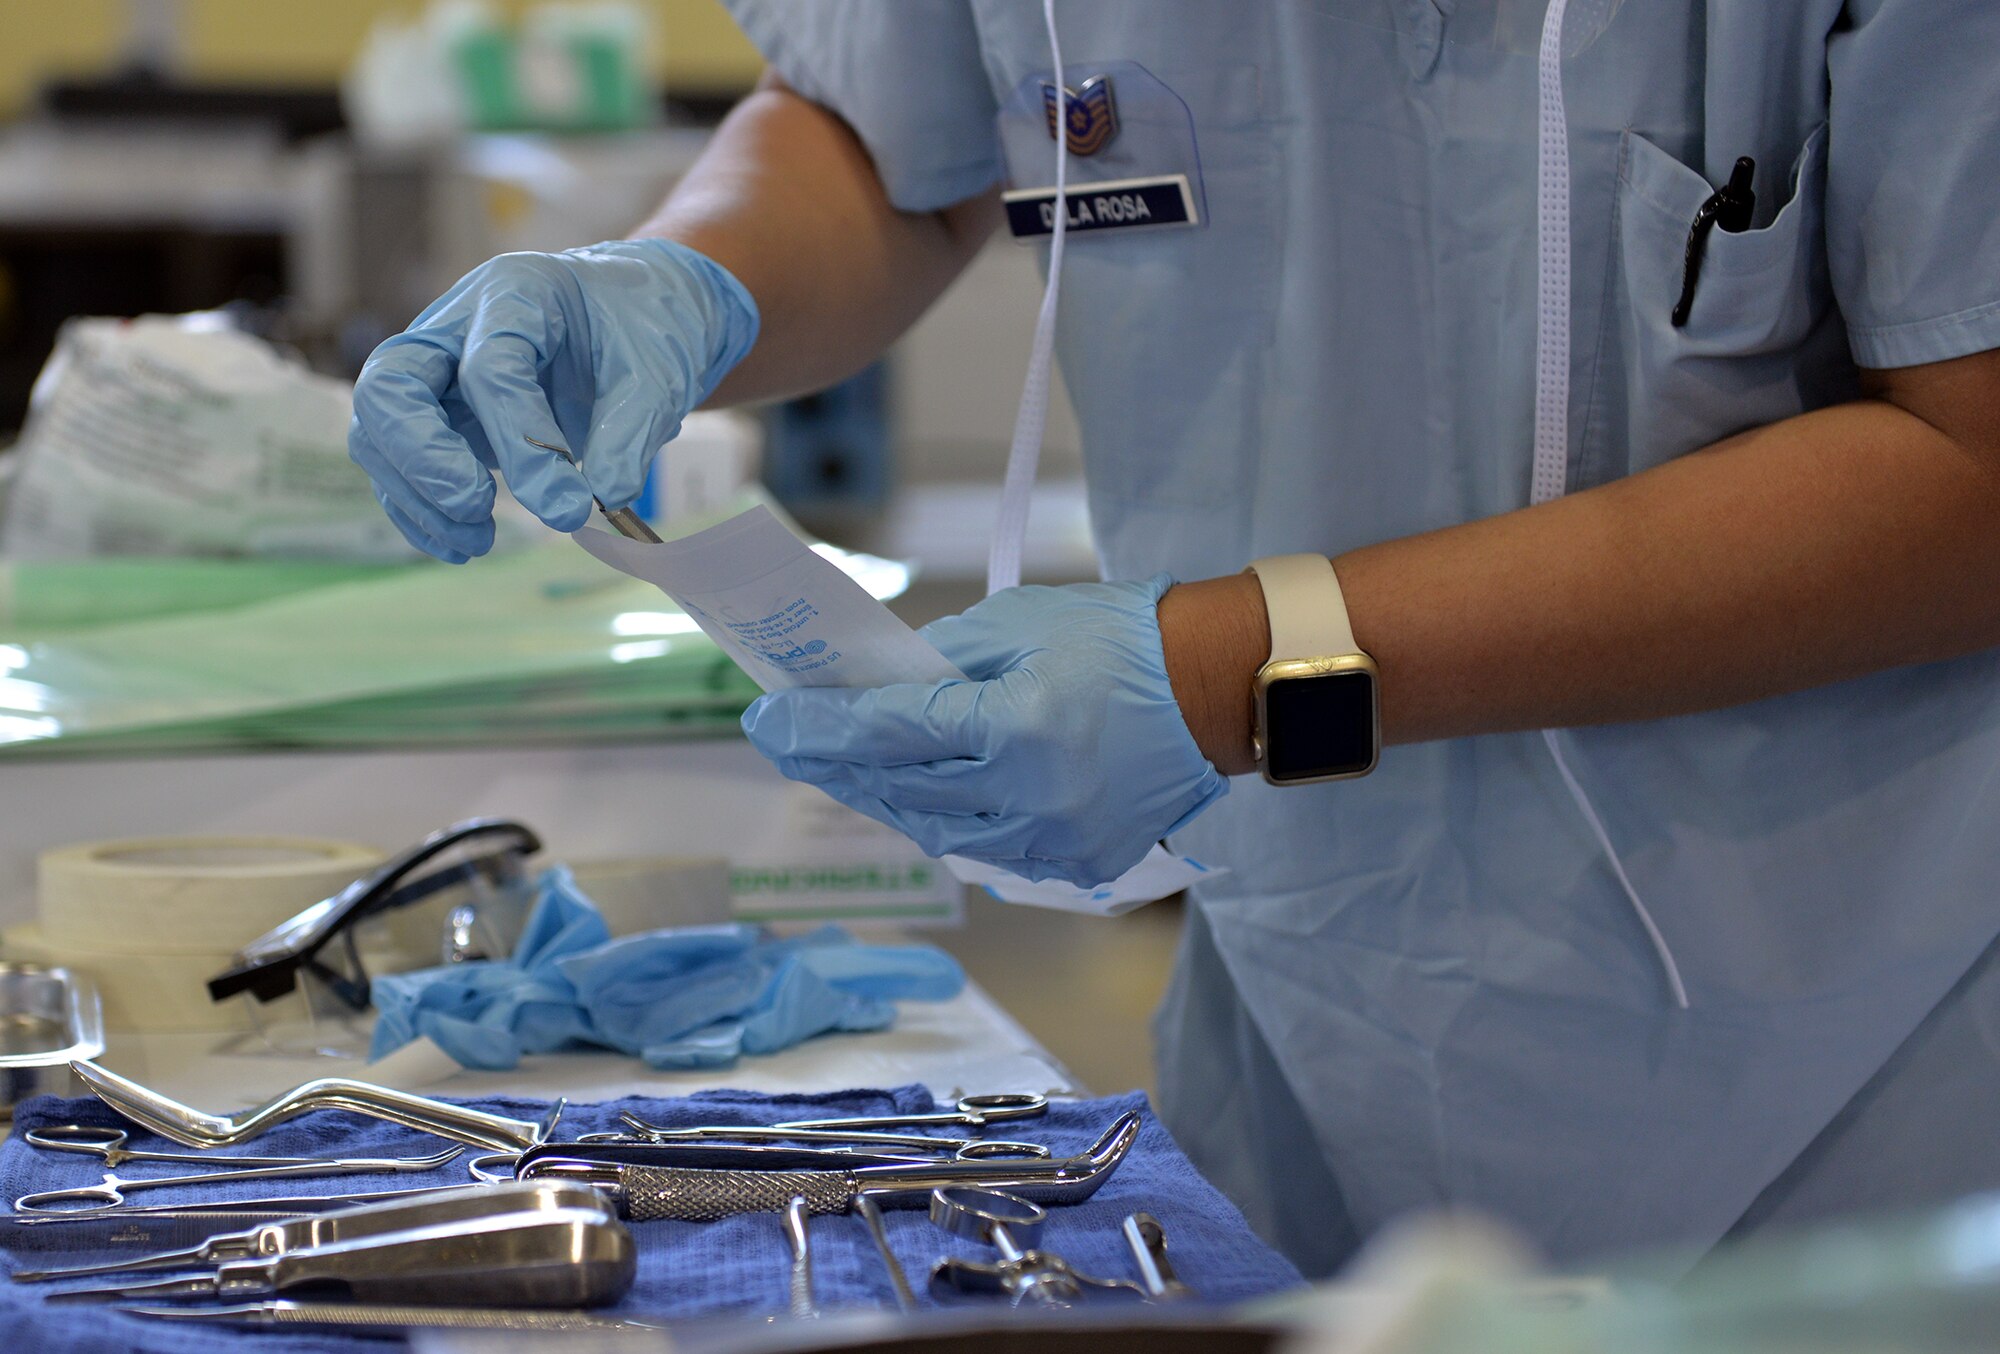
[(109, 1144), (962, 1149), (111, 1193)]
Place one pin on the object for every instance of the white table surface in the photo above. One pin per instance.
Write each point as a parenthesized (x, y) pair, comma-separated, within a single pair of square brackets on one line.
[(693, 797), (965, 1045)]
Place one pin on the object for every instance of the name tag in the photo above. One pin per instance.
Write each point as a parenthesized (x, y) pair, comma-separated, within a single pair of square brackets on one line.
[(1119, 204)]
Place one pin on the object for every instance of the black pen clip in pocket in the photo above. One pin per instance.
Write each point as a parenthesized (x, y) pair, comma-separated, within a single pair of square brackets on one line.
[(1728, 209)]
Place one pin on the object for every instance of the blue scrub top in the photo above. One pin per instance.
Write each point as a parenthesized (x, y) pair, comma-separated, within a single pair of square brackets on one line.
[(1425, 988)]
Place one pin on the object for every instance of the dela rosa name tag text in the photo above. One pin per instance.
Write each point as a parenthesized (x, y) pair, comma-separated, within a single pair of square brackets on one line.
[(1121, 204)]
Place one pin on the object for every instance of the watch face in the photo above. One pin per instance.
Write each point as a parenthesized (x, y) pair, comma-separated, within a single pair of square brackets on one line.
[(1322, 725)]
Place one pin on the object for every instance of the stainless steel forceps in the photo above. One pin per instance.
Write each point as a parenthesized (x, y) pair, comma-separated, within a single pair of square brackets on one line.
[(974, 1111), (112, 1191), (109, 1143), (892, 1144)]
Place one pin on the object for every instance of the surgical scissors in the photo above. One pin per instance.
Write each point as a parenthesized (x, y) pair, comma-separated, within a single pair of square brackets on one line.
[(973, 1111), (109, 1143), (112, 1191), (963, 1149)]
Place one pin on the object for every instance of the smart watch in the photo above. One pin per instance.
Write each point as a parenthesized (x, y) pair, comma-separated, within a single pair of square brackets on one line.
[(1318, 708)]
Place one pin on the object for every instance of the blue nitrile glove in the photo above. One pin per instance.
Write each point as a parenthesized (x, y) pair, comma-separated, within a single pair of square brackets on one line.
[(487, 1015), (663, 984), (699, 996), (1065, 756), (601, 351), (688, 997)]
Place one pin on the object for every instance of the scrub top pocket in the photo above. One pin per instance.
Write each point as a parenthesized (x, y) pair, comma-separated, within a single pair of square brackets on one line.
[(1763, 341), (1163, 334)]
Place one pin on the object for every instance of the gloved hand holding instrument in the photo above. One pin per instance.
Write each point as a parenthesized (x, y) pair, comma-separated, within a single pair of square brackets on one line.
[(564, 373)]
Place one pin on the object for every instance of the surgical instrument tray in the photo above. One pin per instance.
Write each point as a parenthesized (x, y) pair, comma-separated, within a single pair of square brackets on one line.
[(49, 1018)]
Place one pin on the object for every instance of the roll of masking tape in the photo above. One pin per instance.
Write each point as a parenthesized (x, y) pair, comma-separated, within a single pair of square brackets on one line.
[(165, 993), (167, 896)]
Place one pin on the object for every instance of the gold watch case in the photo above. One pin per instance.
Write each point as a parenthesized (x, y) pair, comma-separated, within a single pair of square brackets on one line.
[(1293, 669)]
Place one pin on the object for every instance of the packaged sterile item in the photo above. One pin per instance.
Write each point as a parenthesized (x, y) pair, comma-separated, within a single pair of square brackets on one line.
[(177, 435), (791, 617), (787, 615)]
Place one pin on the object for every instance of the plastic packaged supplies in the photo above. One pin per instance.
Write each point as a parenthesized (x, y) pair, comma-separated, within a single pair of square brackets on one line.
[(111, 656), (537, 644), (176, 435), (690, 997), (47, 597)]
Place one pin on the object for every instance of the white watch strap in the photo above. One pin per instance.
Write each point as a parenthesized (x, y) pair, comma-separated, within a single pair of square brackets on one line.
[(1308, 615)]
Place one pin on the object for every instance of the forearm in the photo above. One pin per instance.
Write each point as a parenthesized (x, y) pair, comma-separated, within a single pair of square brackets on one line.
[(1813, 550), (787, 199)]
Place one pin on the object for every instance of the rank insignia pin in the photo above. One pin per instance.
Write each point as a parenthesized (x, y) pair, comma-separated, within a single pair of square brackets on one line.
[(1089, 117)]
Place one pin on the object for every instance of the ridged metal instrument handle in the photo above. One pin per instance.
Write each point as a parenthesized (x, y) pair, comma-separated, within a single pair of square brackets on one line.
[(399, 1317), (681, 1194)]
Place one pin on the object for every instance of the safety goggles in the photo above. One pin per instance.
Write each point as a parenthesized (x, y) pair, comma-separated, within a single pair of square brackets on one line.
[(460, 894)]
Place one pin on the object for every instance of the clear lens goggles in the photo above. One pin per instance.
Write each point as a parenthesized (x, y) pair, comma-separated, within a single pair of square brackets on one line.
[(459, 895)]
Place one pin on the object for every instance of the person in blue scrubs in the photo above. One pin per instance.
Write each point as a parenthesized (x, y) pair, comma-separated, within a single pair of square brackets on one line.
[(1760, 603)]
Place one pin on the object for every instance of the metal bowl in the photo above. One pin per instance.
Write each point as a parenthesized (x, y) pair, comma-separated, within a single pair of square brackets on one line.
[(48, 1016)]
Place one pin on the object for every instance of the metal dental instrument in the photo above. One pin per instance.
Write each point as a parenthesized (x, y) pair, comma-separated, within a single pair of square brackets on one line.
[(965, 1149), (111, 1193), (1013, 1226), (646, 1193), (974, 1111), (871, 1214), (1148, 1241), (233, 1212), (109, 1143), (769, 1155), (802, 1305), (562, 1257), (193, 1128), (697, 1155), (135, 1229), (623, 520), (381, 1318), (282, 1236)]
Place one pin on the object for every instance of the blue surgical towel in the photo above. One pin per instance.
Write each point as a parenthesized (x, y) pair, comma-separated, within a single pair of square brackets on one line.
[(737, 1266)]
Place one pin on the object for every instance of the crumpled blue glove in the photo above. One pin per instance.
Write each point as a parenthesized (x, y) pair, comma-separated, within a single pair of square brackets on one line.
[(601, 351), (1065, 757), (696, 996), (702, 996), (487, 1014)]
